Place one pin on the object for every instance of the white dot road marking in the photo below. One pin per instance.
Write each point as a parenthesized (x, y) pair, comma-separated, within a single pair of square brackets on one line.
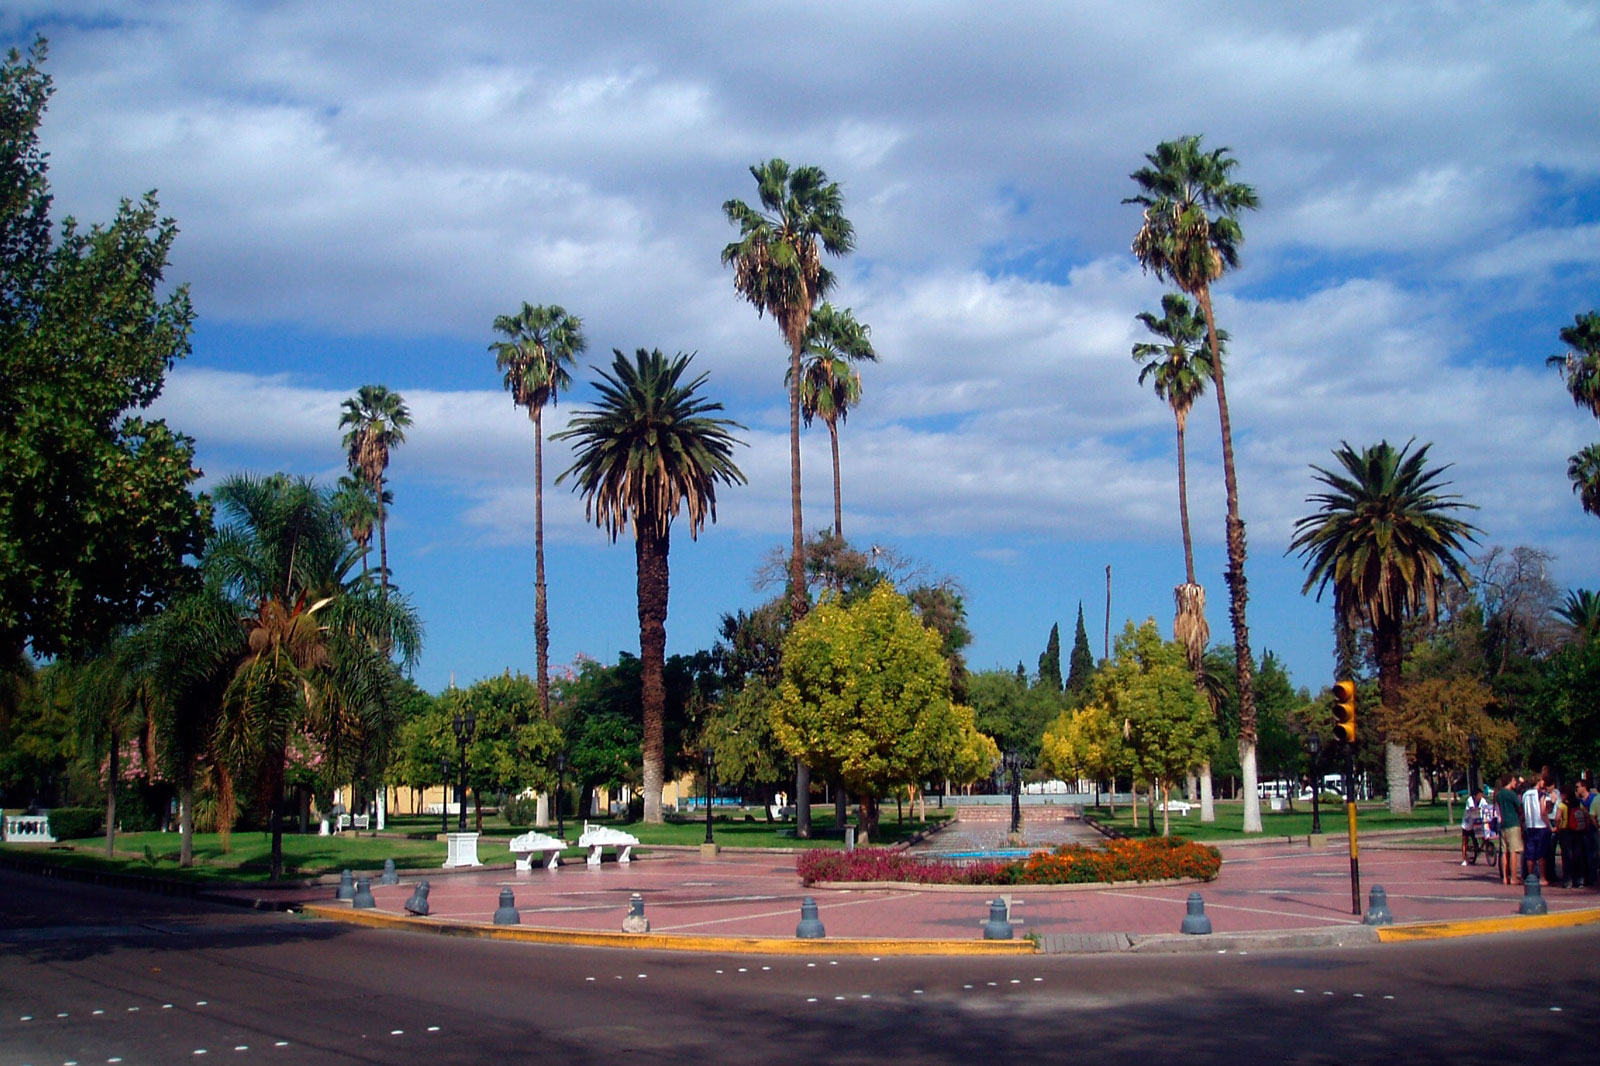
[(61, 1014), (642, 975), (435, 1028), (1388, 997), (199, 1051), (809, 966), (719, 971), (1036, 980), (397, 1032), (281, 1043), (591, 978), (166, 1006), (241, 1047), (1358, 995), (838, 998), (916, 991), (201, 1002), (866, 995), (26, 1018), (966, 986), (133, 1010), (769, 967), (1016, 981), (742, 969), (833, 962), (99, 1012), (811, 999), (1555, 1010)]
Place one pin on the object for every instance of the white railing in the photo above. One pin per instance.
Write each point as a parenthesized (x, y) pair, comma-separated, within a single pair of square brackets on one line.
[(28, 829)]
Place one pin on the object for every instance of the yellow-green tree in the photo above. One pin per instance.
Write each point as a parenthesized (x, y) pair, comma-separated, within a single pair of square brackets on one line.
[(1087, 743), (1149, 687), (865, 696), (976, 753)]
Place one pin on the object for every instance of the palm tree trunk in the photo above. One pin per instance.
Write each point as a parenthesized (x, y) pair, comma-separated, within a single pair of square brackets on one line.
[(541, 620), (1208, 809), (275, 812), (838, 512), (1390, 647), (653, 590), (114, 770), (798, 600), (1238, 593), (383, 543), (186, 825), (1183, 504)]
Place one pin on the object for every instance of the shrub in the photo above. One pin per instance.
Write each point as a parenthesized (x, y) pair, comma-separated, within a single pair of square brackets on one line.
[(519, 810), (1156, 859), (75, 823)]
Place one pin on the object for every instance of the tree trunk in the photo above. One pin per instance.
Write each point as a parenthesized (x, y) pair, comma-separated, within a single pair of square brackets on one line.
[(841, 805), (114, 768), (1238, 592), (838, 511), (1208, 810), (383, 542), (1166, 810), (652, 547), (275, 813), (186, 826), (1183, 504), (869, 817), (1388, 641), (541, 620)]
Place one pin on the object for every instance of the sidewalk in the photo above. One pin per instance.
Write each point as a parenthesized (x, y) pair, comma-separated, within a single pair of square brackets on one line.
[(1261, 890)]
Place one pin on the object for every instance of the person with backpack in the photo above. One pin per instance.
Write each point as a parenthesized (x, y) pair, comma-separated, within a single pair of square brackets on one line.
[(1585, 828)]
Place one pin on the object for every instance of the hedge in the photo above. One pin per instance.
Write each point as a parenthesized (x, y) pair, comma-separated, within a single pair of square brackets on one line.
[(1150, 859)]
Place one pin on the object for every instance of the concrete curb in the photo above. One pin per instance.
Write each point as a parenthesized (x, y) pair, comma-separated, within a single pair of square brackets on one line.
[(727, 945), (1399, 934)]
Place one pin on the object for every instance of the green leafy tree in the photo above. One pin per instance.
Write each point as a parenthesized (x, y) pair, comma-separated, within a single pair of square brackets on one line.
[(1386, 538), (866, 696), (1012, 711), (1050, 660), (1149, 686), (649, 448), (96, 505), (514, 746), (374, 421), (1080, 666), (542, 343), (1190, 235), (830, 385), (1086, 743)]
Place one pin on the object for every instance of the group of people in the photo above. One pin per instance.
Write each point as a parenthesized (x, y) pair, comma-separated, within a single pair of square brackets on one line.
[(1536, 822)]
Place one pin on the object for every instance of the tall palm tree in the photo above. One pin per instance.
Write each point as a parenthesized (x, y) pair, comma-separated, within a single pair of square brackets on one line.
[(541, 344), (1580, 365), (777, 263), (1581, 612), (312, 655), (1583, 469), (1178, 368), (649, 447), (357, 508), (374, 421), (1385, 538), (111, 700), (1189, 236), (830, 385)]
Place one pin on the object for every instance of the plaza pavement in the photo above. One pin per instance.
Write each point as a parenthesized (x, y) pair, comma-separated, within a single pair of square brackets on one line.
[(1284, 892)]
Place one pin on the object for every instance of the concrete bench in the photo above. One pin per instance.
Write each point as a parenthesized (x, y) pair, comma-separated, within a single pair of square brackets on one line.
[(28, 829), (547, 847), (1180, 807), (598, 837)]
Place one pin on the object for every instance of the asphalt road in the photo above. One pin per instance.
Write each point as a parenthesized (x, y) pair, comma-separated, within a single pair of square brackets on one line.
[(91, 975)]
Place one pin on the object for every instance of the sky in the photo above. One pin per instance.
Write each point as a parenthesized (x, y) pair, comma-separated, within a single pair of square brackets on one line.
[(361, 189)]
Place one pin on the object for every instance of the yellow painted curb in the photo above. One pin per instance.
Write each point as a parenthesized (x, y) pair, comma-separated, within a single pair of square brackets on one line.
[(1394, 934), (727, 945)]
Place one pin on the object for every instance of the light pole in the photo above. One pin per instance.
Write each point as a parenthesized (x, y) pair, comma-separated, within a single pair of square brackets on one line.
[(1314, 743), (464, 728), (1013, 764), (561, 775), (711, 765), (1474, 777), (444, 799)]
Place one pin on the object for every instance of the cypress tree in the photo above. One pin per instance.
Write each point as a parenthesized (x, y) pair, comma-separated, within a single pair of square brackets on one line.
[(1081, 665), (1050, 659)]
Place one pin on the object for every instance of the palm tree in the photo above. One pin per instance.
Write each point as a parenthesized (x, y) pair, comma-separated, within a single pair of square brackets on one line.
[(1384, 538), (777, 263), (312, 655), (374, 421), (1178, 368), (829, 383), (541, 344), (648, 448), (1581, 612), (1583, 469), (111, 701), (357, 508), (1189, 236), (1580, 365)]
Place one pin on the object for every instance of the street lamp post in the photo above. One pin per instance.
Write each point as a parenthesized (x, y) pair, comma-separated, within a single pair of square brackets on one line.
[(561, 774), (1474, 776), (711, 765), (1314, 742), (1013, 765), (464, 727), (444, 799)]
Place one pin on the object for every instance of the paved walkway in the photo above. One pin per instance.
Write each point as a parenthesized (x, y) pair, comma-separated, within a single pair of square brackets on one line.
[(1261, 888)]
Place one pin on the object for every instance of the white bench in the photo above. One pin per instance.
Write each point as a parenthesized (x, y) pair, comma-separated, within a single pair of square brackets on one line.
[(1180, 807), (597, 837), (529, 844), (361, 821)]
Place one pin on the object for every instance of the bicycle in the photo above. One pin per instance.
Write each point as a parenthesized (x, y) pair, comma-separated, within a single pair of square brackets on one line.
[(1487, 846)]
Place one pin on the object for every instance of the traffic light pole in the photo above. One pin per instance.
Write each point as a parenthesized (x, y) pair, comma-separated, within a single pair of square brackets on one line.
[(1350, 813)]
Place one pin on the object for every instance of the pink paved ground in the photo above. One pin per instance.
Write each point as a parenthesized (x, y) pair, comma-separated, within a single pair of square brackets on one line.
[(1261, 888)]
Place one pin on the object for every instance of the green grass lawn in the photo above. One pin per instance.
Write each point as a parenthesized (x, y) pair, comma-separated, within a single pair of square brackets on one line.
[(1230, 820)]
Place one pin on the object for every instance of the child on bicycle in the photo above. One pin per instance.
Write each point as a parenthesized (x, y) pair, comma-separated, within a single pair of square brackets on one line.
[(1472, 822)]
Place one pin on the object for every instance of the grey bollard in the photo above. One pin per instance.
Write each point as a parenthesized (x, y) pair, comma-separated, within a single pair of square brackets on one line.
[(1533, 896), (506, 913), (418, 903), (347, 887), (1378, 908), (1195, 922), (362, 900), (390, 877), (997, 928), (810, 927), (636, 922)]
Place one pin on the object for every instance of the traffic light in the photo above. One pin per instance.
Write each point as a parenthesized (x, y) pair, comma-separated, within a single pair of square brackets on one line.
[(1344, 711)]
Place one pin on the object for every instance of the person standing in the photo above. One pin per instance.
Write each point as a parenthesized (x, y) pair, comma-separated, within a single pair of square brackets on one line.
[(1510, 808), (1582, 820), (1535, 829), (1472, 821)]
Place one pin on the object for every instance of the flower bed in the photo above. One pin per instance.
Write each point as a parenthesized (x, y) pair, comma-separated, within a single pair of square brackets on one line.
[(1154, 859)]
